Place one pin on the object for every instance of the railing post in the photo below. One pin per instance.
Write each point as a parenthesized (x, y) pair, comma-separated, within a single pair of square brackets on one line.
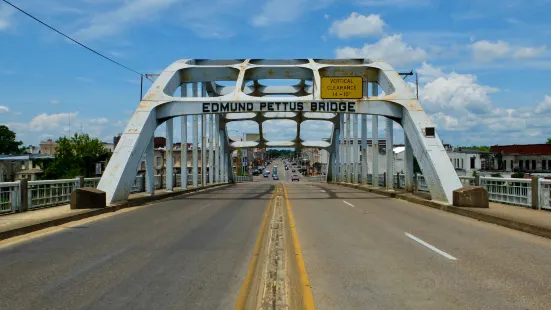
[(535, 192), (477, 180), (23, 196), (80, 182)]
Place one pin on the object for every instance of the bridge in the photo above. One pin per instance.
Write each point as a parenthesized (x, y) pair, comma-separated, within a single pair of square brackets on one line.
[(277, 244)]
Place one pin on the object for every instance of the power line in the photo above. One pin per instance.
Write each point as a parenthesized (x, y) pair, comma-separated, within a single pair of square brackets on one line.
[(68, 37)]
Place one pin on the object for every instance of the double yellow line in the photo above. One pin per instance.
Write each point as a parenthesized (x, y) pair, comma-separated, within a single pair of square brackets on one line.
[(305, 289)]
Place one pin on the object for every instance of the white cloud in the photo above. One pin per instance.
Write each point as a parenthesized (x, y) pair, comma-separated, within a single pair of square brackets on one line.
[(544, 107), (391, 49), (54, 101), (326, 16), (129, 13), (4, 109), (486, 51), (283, 11), (101, 120), (357, 25), (6, 15), (529, 52)]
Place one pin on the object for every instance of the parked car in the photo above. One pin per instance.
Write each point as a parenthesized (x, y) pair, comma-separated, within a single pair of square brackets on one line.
[(294, 178), (255, 173), (293, 170), (275, 177), (266, 174)]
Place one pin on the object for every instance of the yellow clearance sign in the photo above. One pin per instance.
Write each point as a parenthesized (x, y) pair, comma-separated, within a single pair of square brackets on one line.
[(342, 87)]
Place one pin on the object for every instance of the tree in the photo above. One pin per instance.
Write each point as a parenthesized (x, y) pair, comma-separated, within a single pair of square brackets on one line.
[(548, 140), (76, 156), (8, 143)]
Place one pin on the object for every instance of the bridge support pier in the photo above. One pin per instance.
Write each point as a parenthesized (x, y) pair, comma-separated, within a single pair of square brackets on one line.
[(342, 150), (211, 149), (347, 149), (355, 151), (149, 167), (375, 150), (204, 150), (221, 156), (228, 167), (195, 140), (364, 149), (389, 134), (408, 158), (168, 154), (216, 138), (183, 154)]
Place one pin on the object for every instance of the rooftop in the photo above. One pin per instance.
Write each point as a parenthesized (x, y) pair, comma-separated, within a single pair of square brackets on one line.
[(523, 149)]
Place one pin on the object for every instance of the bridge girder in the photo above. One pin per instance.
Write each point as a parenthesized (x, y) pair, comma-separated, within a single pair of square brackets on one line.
[(160, 103)]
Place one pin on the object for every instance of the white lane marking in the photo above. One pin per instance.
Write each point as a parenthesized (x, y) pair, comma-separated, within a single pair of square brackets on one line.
[(348, 203), (446, 255)]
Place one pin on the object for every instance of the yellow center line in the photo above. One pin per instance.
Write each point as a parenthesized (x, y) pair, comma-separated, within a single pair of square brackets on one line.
[(245, 288), (307, 297)]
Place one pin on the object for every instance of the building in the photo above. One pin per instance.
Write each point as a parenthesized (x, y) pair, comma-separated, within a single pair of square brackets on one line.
[(526, 158), (48, 147), (18, 167), (466, 161)]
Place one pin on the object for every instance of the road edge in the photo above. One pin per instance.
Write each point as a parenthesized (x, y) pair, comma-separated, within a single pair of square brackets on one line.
[(500, 221), (24, 230)]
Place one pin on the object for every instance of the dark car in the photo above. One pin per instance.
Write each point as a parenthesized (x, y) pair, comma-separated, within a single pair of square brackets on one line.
[(255, 173), (275, 177), (265, 174), (293, 170), (286, 168), (294, 178)]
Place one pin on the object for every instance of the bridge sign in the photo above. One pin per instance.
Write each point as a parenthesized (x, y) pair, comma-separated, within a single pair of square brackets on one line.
[(342, 87)]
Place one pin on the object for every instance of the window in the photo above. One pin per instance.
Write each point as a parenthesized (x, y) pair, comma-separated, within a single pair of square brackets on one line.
[(473, 161), (549, 164), (543, 165), (158, 161), (527, 162), (533, 165), (520, 164), (512, 164), (462, 166)]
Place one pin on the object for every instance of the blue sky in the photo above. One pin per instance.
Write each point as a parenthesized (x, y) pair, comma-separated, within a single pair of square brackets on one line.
[(483, 65)]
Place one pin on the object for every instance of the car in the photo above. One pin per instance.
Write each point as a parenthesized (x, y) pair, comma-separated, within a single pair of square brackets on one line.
[(293, 170), (286, 168), (294, 178), (255, 173), (275, 177), (265, 174), (268, 172)]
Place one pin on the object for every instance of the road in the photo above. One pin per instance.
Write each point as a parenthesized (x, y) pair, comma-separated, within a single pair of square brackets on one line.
[(186, 253), (364, 251), (361, 251)]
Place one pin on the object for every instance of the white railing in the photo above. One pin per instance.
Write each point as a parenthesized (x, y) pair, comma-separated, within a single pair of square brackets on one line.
[(240, 178), (545, 194), (9, 197), (137, 185), (317, 178), (467, 181), (50, 193), (508, 190), (91, 182), (421, 183)]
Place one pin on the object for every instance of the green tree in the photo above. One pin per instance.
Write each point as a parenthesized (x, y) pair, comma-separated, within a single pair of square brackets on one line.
[(76, 156), (8, 143), (548, 141)]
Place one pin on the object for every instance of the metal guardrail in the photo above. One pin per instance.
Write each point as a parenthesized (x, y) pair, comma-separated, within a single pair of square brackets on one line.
[(50, 192), (317, 178), (240, 178), (9, 197), (508, 190), (91, 182), (467, 181), (545, 194)]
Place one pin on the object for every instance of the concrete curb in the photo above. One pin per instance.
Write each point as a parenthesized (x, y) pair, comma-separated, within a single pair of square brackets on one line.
[(509, 223), (95, 212)]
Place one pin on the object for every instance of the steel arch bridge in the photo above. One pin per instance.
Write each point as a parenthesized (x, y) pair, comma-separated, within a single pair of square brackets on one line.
[(222, 91)]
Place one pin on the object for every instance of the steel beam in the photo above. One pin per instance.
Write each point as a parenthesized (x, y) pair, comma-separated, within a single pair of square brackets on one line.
[(195, 139), (150, 167), (389, 134), (408, 158), (169, 155), (375, 141), (216, 148), (364, 149), (355, 150), (211, 148)]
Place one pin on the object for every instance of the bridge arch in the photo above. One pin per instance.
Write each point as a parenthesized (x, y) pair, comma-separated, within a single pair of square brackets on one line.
[(217, 90)]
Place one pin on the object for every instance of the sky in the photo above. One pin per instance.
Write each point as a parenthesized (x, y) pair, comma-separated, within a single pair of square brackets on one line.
[(483, 65)]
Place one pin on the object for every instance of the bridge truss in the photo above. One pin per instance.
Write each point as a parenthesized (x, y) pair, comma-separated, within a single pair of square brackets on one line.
[(222, 91)]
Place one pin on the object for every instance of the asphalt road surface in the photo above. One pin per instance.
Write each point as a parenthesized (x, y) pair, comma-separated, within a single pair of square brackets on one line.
[(186, 253), (364, 251), (361, 251)]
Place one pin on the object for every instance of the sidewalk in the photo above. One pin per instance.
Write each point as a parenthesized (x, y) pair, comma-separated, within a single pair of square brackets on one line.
[(15, 224), (537, 222)]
